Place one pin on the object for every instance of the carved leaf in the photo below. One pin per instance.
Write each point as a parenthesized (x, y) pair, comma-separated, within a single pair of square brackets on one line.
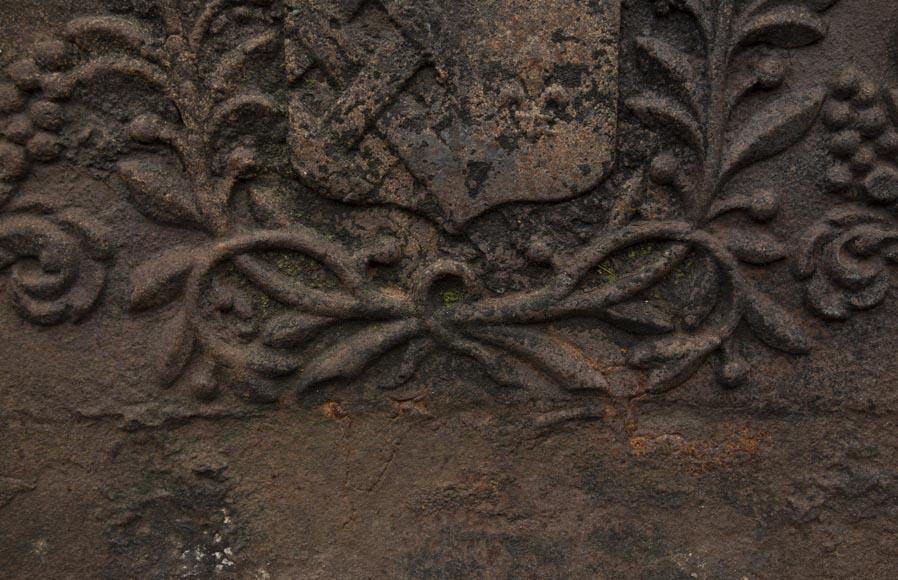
[(157, 193), (503, 368), (756, 247), (774, 130), (351, 356), (676, 372), (162, 279), (667, 113), (561, 361), (178, 350), (673, 359), (773, 325), (294, 329), (296, 279), (674, 62), (640, 318), (789, 26)]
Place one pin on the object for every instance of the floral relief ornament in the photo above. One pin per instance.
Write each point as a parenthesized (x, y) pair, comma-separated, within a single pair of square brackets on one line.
[(215, 127)]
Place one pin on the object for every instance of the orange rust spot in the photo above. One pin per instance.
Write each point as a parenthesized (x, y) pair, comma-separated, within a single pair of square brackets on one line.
[(639, 445), (576, 351), (414, 407), (729, 445), (395, 292), (333, 410)]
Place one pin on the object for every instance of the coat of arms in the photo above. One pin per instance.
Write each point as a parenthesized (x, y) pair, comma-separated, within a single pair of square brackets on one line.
[(463, 106)]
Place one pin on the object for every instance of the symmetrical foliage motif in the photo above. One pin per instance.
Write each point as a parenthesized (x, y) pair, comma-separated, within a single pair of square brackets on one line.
[(246, 102), (708, 90)]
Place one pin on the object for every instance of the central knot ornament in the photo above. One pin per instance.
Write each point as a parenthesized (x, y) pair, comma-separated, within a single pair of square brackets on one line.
[(440, 288)]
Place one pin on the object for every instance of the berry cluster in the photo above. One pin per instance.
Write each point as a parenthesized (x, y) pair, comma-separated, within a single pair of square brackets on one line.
[(863, 140), (30, 124)]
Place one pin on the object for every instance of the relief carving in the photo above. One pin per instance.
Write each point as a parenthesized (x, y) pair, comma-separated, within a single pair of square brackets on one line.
[(375, 105)]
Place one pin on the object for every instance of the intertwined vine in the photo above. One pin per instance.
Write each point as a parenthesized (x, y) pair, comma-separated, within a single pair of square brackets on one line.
[(216, 126)]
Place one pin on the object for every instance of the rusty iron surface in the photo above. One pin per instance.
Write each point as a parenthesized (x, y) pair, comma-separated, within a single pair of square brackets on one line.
[(448, 289)]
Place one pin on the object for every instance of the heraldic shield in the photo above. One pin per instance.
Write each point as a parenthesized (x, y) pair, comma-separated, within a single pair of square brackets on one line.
[(453, 110)]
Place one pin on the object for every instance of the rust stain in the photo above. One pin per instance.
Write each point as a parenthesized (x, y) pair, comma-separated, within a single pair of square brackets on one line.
[(333, 410), (732, 444)]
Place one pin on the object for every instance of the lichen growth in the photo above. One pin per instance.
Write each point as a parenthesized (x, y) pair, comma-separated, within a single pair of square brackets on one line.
[(607, 271), (302, 268), (611, 269), (685, 270), (452, 297), (265, 304), (640, 251)]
